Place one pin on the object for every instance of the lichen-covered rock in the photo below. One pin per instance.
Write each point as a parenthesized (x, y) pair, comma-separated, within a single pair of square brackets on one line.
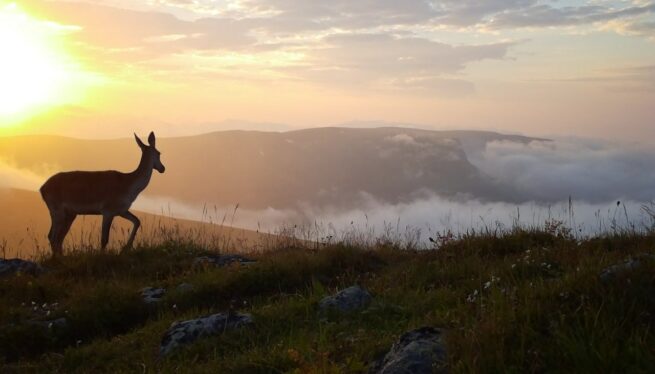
[(221, 260), (631, 264), (418, 351), (349, 299), (16, 265), (185, 332), (152, 295)]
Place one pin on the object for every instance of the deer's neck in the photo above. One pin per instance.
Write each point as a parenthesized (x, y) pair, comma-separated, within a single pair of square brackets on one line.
[(141, 176)]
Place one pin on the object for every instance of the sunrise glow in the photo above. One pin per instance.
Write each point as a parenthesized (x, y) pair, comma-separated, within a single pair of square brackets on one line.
[(34, 74)]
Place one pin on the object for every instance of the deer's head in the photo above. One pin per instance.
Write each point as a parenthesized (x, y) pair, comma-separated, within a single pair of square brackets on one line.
[(151, 152)]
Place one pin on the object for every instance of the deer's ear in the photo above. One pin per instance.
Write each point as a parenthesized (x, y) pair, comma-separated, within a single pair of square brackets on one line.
[(151, 139), (139, 142)]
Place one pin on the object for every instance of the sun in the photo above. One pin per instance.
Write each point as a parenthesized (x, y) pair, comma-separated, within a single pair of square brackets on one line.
[(33, 73)]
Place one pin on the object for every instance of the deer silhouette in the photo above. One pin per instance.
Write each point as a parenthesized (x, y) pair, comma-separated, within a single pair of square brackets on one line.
[(108, 193)]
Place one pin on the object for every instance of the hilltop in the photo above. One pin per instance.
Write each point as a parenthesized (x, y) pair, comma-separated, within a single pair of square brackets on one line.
[(322, 167), (24, 228), (521, 301)]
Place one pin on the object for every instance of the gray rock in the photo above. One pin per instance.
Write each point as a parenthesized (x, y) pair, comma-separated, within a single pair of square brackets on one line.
[(184, 287), (58, 323), (186, 332), (347, 300), (631, 264), (152, 295), (418, 351), (16, 265), (222, 260)]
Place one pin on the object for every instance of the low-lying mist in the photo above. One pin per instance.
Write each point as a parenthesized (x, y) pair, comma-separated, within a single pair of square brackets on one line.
[(591, 186)]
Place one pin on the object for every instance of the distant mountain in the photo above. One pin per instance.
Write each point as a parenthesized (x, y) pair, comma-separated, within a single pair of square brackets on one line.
[(283, 170)]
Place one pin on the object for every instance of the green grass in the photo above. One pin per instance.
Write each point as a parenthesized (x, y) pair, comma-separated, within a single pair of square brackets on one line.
[(523, 301)]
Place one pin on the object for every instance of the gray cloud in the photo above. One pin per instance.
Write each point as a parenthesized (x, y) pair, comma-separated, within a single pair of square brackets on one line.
[(592, 171), (544, 15), (390, 62)]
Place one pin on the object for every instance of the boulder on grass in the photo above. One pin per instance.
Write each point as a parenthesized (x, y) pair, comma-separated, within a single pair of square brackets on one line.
[(186, 332), (222, 260), (347, 300), (152, 295), (418, 351), (629, 265), (58, 323)]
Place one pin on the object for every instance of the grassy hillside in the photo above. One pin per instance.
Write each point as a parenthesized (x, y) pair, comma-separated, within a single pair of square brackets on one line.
[(24, 229), (524, 301)]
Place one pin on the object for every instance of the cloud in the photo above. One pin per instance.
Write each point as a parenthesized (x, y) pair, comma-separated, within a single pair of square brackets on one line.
[(141, 35), (542, 174), (591, 171), (383, 46), (545, 15), (415, 220), (395, 62), (315, 41)]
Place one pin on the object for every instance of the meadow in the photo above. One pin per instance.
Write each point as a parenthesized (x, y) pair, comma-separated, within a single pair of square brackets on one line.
[(519, 300)]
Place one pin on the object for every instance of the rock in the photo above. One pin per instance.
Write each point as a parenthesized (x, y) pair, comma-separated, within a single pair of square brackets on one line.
[(185, 332), (222, 260), (58, 323), (152, 295), (417, 351), (347, 300), (16, 265), (184, 287), (631, 264)]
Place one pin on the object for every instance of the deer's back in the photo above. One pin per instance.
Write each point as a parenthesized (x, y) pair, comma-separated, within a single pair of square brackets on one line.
[(87, 192)]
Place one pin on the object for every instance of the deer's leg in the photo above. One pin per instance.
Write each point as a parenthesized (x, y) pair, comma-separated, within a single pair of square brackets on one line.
[(56, 219), (107, 219), (53, 227), (64, 226), (135, 221)]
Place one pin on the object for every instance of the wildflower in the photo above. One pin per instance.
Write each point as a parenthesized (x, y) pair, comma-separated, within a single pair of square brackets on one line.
[(471, 297), (487, 285)]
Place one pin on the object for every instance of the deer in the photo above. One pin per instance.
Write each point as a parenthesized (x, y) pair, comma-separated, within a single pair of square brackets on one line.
[(108, 193)]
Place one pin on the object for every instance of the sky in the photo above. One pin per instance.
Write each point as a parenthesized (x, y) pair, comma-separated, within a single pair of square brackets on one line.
[(107, 68)]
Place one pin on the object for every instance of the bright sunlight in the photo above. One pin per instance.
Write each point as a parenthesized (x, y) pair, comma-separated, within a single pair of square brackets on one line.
[(33, 73)]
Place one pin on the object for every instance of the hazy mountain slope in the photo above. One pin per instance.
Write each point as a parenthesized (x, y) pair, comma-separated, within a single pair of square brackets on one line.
[(324, 166), (25, 222)]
